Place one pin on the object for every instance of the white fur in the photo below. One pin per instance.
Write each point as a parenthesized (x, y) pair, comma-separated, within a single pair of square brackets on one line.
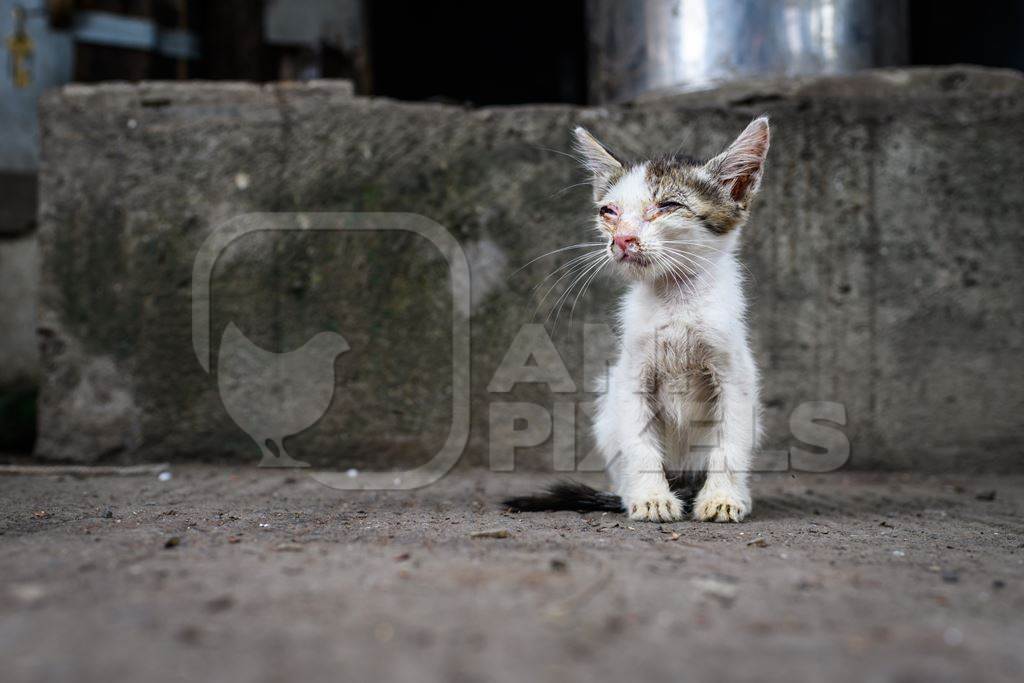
[(669, 317)]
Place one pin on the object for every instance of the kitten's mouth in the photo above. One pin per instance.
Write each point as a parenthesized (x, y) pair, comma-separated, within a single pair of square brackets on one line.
[(631, 254), (634, 258)]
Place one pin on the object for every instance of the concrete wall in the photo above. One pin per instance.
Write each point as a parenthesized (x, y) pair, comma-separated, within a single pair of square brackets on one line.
[(883, 255)]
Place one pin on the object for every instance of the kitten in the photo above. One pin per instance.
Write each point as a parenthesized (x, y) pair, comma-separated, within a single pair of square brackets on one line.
[(683, 394)]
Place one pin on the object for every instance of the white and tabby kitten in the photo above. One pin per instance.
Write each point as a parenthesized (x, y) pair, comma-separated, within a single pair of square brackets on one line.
[(682, 397)]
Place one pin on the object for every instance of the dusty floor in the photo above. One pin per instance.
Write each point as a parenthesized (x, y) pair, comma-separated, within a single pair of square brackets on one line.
[(272, 577)]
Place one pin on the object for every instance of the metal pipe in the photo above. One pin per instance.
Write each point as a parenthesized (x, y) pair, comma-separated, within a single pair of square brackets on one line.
[(636, 46)]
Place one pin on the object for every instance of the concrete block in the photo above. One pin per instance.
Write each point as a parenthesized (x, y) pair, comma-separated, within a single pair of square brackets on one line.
[(881, 257)]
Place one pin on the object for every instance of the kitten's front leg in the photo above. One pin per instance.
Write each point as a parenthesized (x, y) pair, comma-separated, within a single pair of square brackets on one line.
[(725, 496), (630, 436)]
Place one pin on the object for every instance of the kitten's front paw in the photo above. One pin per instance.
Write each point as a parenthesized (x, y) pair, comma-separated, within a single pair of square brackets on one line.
[(720, 505), (659, 507)]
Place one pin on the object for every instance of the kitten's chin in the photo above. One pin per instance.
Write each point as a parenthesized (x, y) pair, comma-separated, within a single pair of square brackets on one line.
[(636, 270)]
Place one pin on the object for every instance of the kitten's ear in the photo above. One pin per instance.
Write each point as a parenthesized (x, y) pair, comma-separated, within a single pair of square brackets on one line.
[(599, 161), (740, 167)]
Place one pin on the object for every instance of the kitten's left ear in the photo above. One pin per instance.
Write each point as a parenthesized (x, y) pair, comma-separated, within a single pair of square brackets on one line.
[(596, 158), (740, 167)]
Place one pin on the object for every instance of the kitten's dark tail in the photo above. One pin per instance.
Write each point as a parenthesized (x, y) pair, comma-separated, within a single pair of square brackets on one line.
[(566, 495), (572, 495)]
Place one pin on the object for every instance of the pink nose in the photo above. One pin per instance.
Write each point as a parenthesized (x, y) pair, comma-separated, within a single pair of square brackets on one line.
[(624, 241)]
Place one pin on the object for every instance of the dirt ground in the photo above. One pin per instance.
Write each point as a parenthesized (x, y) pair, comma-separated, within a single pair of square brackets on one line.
[(240, 574)]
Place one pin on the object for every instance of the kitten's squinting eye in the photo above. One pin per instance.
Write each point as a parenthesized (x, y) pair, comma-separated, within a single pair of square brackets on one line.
[(663, 209), (609, 211)]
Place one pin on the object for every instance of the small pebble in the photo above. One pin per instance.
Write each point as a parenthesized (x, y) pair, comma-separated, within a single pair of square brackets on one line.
[(953, 636), (28, 592), (190, 635), (165, 476), (986, 495), (225, 602), (384, 632), (172, 542)]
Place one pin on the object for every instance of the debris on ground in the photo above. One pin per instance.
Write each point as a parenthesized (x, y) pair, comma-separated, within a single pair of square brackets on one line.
[(220, 604), (987, 495), (172, 542), (28, 593), (289, 548), (190, 635), (724, 592), (490, 533), (758, 543)]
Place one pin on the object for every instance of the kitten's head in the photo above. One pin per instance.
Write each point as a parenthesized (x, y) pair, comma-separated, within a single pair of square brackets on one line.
[(673, 217)]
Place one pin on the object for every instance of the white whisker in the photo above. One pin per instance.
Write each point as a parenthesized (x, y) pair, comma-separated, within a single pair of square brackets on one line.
[(688, 272), (669, 270), (692, 257), (568, 264), (583, 289), (583, 264), (569, 187), (702, 245), (578, 160), (581, 245), (562, 298)]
